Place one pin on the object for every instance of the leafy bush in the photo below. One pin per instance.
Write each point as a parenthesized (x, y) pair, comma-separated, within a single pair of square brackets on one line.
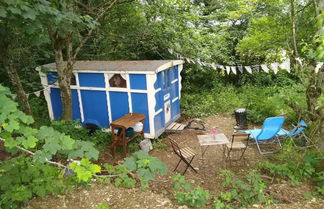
[(240, 193), (145, 166), (260, 102), (159, 144), (123, 179), (185, 195), (99, 138), (21, 179), (296, 166)]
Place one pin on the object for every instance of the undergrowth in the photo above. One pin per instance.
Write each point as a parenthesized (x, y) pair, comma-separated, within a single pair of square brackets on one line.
[(99, 138), (296, 166), (21, 179), (261, 102)]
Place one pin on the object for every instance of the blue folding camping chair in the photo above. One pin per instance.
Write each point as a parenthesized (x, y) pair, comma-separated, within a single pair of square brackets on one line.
[(295, 132), (270, 128)]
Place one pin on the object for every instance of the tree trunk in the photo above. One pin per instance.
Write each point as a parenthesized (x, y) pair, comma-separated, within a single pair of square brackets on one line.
[(15, 80), (293, 27), (64, 79)]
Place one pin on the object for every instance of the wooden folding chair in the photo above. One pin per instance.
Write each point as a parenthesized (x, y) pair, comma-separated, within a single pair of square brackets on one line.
[(185, 154), (237, 145)]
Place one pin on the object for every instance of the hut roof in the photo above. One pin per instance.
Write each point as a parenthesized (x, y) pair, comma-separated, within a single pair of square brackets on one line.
[(122, 66)]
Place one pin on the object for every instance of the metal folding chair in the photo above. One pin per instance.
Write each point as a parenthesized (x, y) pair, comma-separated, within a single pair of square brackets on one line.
[(185, 154), (239, 143)]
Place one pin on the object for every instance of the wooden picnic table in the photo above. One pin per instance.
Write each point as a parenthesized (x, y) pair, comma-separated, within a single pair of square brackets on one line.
[(123, 123)]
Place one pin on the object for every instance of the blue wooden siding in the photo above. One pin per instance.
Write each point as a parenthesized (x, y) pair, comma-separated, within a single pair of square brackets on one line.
[(76, 114), (92, 79), (158, 82), (139, 105), (95, 106), (138, 81), (57, 104), (159, 123), (175, 109), (118, 104), (51, 77), (176, 72)]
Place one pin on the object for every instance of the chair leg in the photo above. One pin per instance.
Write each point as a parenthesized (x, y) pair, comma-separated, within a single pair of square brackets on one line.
[(177, 165), (189, 165), (278, 141)]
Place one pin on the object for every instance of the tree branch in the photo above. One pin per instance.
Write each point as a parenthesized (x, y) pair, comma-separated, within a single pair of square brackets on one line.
[(87, 36), (32, 153)]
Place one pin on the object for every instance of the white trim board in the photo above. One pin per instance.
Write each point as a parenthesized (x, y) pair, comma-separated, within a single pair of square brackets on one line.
[(79, 98)]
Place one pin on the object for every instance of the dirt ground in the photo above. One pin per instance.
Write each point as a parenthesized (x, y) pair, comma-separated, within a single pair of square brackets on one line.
[(160, 193)]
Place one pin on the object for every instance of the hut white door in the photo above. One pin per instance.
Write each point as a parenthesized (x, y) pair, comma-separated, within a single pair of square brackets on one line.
[(167, 111)]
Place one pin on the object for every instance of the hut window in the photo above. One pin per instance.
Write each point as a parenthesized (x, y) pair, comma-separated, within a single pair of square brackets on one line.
[(73, 80), (117, 81)]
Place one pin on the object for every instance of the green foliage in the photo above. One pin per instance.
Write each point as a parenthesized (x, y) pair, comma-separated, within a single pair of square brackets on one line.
[(293, 165), (260, 102), (21, 179), (185, 195), (159, 144), (123, 179), (240, 193), (102, 206), (85, 169), (145, 166), (72, 128)]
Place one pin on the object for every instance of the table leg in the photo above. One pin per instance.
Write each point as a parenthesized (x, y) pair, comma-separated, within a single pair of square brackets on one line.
[(203, 151)]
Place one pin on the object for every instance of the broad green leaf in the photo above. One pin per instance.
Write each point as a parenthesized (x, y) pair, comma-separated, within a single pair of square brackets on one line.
[(145, 174), (10, 143), (130, 163)]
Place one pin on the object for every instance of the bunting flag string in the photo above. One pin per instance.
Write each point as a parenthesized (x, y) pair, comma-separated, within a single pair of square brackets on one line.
[(36, 93), (285, 65)]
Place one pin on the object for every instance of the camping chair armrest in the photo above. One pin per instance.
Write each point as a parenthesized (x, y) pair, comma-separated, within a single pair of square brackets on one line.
[(241, 134)]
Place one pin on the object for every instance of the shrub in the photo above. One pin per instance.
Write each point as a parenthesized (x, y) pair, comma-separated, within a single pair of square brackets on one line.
[(240, 193), (21, 179), (99, 138), (260, 102), (295, 166), (185, 195)]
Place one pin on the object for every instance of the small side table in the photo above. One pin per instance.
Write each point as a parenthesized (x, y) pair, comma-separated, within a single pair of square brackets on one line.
[(211, 140), (123, 123)]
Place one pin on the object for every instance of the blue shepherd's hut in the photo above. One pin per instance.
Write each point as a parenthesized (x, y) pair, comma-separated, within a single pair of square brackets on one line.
[(103, 91)]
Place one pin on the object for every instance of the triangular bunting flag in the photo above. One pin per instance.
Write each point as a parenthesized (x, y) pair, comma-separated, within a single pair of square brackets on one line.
[(233, 68), (170, 51), (285, 65), (228, 69), (249, 69), (318, 66), (299, 61), (257, 68), (265, 68), (240, 68), (274, 67), (221, 67), (37, 93), (13, 96), (214, 66)]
